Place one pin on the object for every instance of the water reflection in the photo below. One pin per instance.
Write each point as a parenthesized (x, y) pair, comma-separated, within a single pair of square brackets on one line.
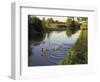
[(50, 48), (34, 41), (48, 34), (70, 32)]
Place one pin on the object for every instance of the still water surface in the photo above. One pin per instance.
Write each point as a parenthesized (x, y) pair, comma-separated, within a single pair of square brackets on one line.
[(51, 48)]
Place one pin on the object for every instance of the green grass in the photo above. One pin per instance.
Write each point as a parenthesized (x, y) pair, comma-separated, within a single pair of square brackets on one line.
[(78, 53)]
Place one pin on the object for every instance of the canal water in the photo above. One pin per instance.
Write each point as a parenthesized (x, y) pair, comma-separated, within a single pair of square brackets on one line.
[(50, 48)]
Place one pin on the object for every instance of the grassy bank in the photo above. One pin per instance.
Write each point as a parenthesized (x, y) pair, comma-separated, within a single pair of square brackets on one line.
[(78, 53)]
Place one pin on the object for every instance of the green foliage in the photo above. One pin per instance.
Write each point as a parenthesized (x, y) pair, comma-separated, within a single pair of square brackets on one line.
[(49, 22), (43, 23), (82, 18), (69, 21), (72, 23), (68, 33), (34, 25), (78, 53)]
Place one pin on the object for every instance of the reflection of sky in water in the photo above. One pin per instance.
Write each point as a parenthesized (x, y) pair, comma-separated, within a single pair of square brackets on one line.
[(62, 38), (55, 40)]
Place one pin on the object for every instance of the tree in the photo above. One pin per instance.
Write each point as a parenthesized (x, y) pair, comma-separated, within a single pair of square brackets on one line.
[(49, 22), (69, 21), (82, 18), (56, 21), (34, 26), (43, 23), (35, 23)]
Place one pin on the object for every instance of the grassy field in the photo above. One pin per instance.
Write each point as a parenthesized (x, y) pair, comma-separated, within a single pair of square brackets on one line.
[(78, 54)]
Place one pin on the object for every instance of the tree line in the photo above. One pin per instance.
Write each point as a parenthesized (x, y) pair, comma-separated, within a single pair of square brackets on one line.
[(35, 25)]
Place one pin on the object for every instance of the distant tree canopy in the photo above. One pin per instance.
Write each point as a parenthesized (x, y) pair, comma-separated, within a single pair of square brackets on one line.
[(82, 18), (69, 21), (49, 22), (44, 23), (72, 23), (56, 21)]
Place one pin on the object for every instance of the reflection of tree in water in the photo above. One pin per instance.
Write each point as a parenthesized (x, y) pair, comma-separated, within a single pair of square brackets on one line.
[(35, 40), (70, 32), (48, 34)]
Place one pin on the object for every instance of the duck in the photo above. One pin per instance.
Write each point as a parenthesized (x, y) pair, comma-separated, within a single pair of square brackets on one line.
[(55, 49), (44, 51)]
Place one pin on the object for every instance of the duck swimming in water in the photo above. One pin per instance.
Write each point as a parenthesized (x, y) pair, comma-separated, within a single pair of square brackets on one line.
[(44, 52), (55, 49)]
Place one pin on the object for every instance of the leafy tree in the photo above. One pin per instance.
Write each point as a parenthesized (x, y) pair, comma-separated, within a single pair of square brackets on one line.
[(35, 23), (69, 21), (82, 18), (56, 21), (44, 23), (34, 26), (49, 22)]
